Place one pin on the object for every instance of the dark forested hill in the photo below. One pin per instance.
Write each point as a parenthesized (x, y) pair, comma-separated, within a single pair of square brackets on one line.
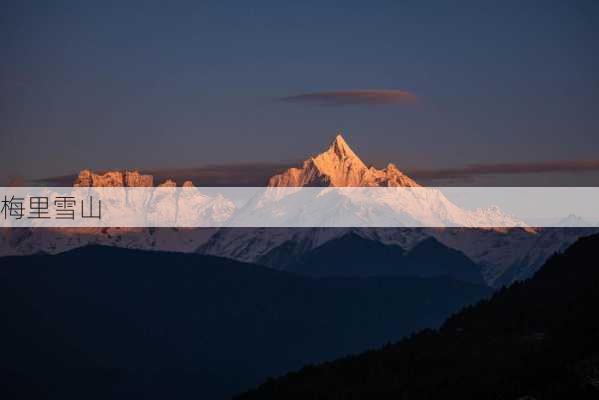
[(538, 338), (353, 255), (101, 322)]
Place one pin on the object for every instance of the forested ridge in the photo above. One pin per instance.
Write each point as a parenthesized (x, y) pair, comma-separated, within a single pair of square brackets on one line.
[(535, 339)]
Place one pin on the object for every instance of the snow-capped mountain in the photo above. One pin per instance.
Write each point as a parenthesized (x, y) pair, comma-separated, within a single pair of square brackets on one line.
[(503, 254), (190, 205), (495, 250), (339, 166), (402, 203)]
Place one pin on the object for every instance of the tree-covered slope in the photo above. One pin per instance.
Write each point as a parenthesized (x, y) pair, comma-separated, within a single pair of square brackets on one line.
[(537, 338), (112, 322)]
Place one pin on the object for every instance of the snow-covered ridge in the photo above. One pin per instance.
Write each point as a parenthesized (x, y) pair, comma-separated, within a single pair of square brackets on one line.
[(353, 195), (504, 254)]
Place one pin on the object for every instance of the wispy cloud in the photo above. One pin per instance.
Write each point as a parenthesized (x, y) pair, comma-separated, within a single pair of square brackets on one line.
[(242, 174), (354, 97), (257, 174), (507, 169)]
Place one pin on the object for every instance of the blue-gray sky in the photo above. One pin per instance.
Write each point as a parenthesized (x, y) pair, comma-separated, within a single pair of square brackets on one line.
[(171, 84)]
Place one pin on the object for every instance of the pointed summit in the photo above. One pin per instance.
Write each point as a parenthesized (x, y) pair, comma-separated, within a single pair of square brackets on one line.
[(340, 148), (340, 144), (339, 166)]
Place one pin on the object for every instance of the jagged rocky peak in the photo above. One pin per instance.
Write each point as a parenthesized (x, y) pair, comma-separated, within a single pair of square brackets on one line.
[(87, 178), (339, 166), (340, 150)]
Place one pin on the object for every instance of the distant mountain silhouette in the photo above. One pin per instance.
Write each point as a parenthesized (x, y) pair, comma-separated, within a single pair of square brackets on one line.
[(105, 322), (536, 339), (353, 255)]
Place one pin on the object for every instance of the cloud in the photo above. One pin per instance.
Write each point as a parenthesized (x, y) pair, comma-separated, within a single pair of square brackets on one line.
[(257, 174), (508, 169), (354, 97), (242, 174)]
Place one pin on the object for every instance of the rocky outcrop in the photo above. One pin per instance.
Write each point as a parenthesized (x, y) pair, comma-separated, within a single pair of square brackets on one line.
[(87, 178), (135, 179)]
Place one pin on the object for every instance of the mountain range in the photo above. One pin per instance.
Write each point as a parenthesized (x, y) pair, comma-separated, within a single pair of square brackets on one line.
[(502, 255), (211, 312)]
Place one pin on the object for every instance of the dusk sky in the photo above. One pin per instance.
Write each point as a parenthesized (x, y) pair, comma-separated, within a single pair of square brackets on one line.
[(157, 85)]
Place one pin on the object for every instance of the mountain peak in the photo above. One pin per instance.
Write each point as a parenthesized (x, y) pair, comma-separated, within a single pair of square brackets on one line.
[(338, 155), (339, 166), (339, 149)]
